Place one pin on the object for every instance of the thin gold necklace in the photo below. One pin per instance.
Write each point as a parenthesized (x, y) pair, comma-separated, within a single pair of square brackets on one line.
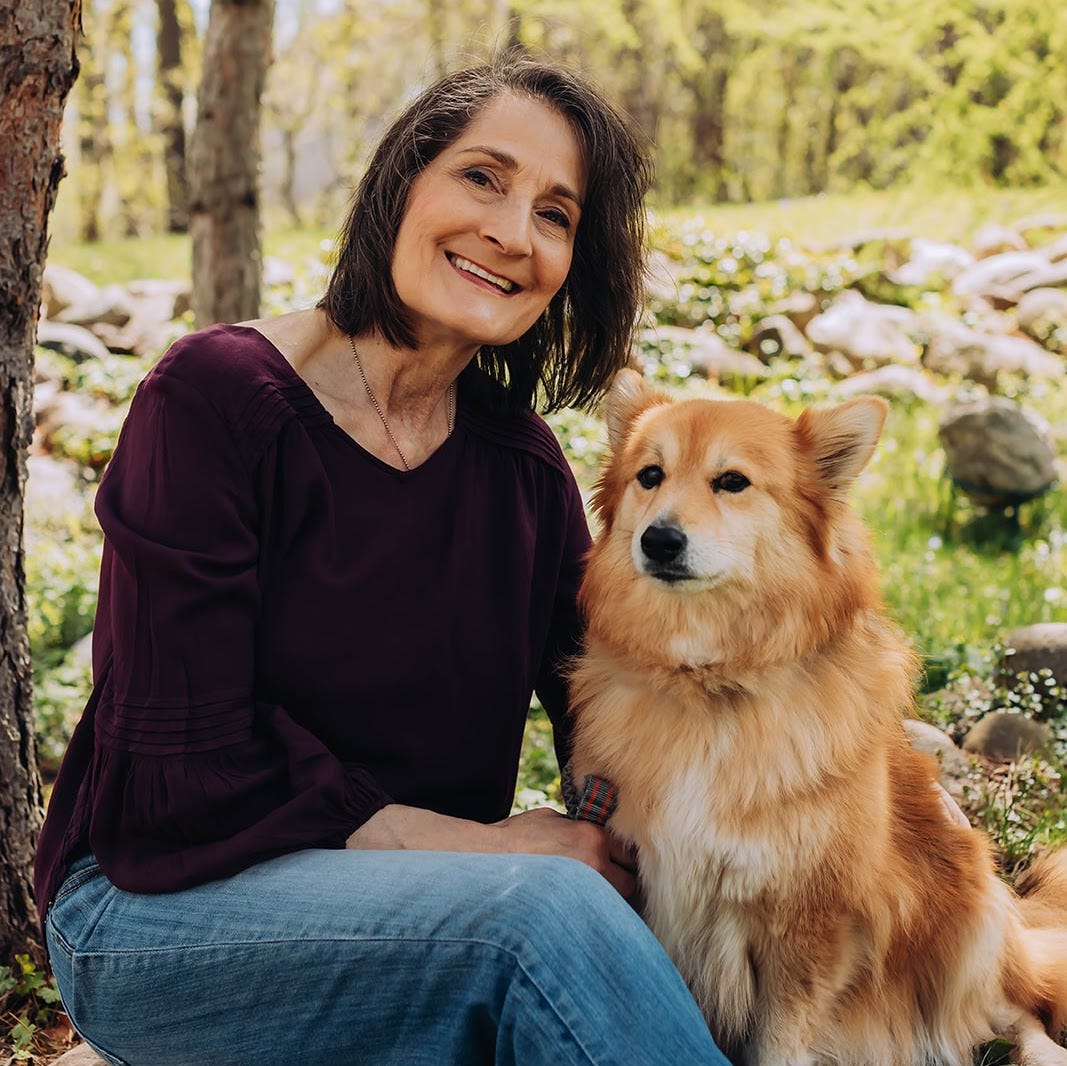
[(451, 416)]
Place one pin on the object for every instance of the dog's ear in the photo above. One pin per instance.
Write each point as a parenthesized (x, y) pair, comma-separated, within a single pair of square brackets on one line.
[(841, 439), (627, 398)]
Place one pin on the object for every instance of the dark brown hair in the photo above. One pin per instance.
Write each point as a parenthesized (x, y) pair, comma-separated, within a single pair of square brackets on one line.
[(572, 352)]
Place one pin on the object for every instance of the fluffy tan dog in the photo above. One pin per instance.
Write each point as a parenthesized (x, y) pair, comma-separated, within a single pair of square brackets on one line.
[(743, 689)]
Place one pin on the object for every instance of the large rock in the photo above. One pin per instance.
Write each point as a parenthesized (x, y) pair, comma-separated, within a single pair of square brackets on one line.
[(893, 382), (53, 489), (112, 305), (996, 452), (931, 263), (79, 414), (1006, 736), (995, 239), (799, 307), (1034, 648), (144, 334), (867, 334), (79, 1055), (1041, 312), (704, 352), (168, 299), (1002, 279), (152, 306), (932, 741), (776, 336), (75, 342), (955, 349), (955, 767), (62, 287)]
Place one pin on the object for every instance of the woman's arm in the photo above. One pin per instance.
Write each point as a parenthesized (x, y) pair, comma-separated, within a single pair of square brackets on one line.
[(537, 832), (194, 774)]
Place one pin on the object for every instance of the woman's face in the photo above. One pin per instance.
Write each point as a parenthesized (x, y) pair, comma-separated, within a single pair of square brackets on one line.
[(488, 232)]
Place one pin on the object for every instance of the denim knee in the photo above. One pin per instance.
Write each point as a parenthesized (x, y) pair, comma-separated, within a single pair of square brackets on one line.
[(561, 907)]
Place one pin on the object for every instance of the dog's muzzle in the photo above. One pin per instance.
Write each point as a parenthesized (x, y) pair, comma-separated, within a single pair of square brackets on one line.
[(663, 549)]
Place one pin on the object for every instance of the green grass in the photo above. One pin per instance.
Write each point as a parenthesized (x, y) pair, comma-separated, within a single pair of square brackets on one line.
[(936, 213), (169, 255)]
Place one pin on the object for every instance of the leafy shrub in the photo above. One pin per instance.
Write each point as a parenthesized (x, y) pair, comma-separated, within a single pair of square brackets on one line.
[(29, 1001)]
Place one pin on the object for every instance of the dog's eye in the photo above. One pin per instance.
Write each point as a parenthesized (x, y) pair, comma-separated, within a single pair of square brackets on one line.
[(650, 477), (731, 481)]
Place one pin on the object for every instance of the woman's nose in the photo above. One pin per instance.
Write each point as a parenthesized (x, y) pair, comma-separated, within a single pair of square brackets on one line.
[(507, 225)]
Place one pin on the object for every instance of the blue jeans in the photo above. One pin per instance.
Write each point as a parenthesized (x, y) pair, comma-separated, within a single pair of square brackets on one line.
[(373, 957)]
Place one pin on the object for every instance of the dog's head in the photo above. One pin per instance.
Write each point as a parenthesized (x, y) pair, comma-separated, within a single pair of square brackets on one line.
[(731, 509)]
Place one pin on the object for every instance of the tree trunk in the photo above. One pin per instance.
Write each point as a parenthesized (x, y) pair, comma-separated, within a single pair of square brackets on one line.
[(224, 163), (287, 182), (844, 67), (641, 97), (788, 62), (38, 66), (169, 120), (708, 123)]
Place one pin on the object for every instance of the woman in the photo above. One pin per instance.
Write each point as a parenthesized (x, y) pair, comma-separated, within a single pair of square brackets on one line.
[(340, 553)]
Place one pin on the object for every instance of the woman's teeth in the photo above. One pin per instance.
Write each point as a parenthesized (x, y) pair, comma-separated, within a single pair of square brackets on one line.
[(477, 271)]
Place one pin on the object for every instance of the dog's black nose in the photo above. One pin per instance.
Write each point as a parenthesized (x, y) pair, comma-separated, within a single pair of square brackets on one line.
[(663, 544)]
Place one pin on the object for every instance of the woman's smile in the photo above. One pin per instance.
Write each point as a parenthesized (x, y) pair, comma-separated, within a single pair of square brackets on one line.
[(465, 266)]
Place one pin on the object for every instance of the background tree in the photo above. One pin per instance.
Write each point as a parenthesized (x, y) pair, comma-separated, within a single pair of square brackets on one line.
[(90, 95), (172, 32), (38, 66), (224, 162)]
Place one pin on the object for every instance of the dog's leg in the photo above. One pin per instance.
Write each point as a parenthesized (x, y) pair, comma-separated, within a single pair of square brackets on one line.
[(782, 1043), (1033, 1046)]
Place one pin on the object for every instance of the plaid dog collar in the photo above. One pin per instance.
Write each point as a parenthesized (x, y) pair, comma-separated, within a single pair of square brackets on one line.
[(594, 803)]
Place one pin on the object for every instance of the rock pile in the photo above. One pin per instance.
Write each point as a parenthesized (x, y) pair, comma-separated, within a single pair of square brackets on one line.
[(885, 313)]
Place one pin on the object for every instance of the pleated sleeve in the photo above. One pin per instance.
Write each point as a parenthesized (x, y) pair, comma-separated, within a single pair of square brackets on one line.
[(194, 774)]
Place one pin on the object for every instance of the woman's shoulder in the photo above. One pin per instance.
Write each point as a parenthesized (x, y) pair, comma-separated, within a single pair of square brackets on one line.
[(238, 373), (221, 360), (235, 372), (524, 432)]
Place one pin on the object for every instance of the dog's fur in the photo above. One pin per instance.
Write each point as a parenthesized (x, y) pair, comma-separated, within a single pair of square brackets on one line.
[(743, 689)]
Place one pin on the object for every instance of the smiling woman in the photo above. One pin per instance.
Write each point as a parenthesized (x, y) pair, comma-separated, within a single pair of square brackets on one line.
[(341, 552)]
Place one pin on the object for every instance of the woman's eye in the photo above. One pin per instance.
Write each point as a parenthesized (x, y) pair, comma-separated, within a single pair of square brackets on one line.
[(557, 217), (478, 177), (731, 481), (650, 477)]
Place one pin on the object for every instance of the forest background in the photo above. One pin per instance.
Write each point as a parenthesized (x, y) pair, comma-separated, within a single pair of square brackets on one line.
[(744, 102)]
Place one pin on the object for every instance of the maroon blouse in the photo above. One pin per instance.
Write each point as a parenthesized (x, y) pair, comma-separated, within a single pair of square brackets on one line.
[(292, 634)]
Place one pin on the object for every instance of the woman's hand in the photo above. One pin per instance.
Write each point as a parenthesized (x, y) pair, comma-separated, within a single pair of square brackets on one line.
[(537, 832), (547, 832)]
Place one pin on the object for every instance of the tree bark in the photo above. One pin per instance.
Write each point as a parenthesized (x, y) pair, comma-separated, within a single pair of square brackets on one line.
[(38, 66), (169, 119), (224, 163)]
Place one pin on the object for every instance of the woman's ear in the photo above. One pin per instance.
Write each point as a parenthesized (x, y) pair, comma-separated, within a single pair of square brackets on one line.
[(626, 399), (840, 440)]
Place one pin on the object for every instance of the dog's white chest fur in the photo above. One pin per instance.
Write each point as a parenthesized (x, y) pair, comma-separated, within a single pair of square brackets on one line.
[(706, 871)]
